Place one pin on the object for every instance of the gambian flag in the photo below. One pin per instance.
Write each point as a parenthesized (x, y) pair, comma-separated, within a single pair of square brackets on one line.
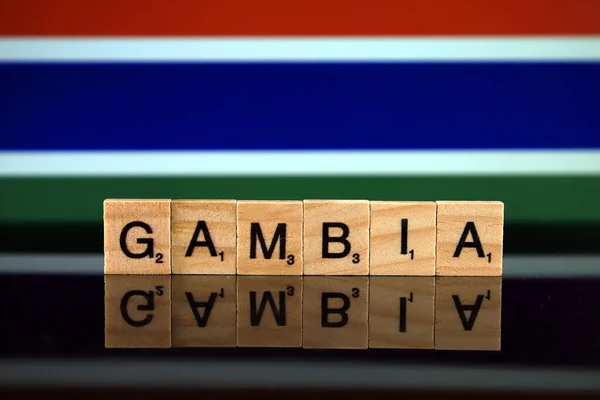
[(271, 99)]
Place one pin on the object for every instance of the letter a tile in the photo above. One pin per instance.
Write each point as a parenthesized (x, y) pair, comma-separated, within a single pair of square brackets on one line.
[(137, 237), (469, 238), (336, 237), (269, 237), (402, 238), (204, 237)]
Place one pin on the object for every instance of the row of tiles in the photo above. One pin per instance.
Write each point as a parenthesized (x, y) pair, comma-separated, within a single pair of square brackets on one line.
[(459, 313), (310, 237)]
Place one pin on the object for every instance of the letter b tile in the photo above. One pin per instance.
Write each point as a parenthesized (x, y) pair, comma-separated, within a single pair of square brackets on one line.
[(137, 237), (269, 237), (336, 237)]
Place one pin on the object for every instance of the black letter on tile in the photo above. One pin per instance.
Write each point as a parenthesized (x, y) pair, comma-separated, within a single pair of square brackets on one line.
[(476, 243), (336, 239), (149, 252), (279, 236), (404, 236), (201, 227)]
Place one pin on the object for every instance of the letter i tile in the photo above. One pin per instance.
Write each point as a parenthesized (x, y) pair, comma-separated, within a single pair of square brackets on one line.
[(402, 238)]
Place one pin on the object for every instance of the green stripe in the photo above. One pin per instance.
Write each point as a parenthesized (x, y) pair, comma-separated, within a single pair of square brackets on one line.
[(527, 199)]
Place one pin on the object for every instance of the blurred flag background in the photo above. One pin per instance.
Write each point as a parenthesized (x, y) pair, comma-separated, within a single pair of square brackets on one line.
[(264, 99)]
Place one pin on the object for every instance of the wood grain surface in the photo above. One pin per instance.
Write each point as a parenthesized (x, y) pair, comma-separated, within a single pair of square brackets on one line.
[(261, 226), (468, 313), (335, 312), (203, 311), (137, 237), (401, 312), (137, 311), (402, 238), (204, 236), (269, 311), (476, 222), (352, 215)]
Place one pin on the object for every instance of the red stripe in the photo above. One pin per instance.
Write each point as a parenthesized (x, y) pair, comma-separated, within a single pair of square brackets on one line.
[(300, 17)]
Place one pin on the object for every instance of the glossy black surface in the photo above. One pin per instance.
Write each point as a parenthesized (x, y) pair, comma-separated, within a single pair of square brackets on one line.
[(544, 322), (53, 329)]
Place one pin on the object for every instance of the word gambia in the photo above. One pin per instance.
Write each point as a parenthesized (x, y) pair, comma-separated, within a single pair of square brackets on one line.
[(310, 237)]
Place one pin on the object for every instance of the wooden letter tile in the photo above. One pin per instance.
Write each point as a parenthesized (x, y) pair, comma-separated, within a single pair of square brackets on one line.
[(467, 313), (335, 312), (204, 311), (269, 311), (336, 237), (204, 236), (137, 311), (401, 312), (402, 238), (469, 238), (269, 237), (137, 237)]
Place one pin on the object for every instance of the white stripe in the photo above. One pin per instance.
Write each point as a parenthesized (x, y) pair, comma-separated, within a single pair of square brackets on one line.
[(526, 48), (290, 163)]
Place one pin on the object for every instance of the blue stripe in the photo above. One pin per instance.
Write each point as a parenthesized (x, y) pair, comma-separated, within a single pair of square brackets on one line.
[(299, 106)]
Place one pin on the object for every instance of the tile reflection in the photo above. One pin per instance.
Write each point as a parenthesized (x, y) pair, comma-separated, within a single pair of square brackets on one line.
[(269, 311), (335, 312), (137, 311), (401, 312), (359, 312), (203, 311), (467, 313)]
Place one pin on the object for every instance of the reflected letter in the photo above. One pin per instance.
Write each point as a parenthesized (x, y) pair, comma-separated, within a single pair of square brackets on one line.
[(137, 311), (203, 311), (401, 312), (467, 313)]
